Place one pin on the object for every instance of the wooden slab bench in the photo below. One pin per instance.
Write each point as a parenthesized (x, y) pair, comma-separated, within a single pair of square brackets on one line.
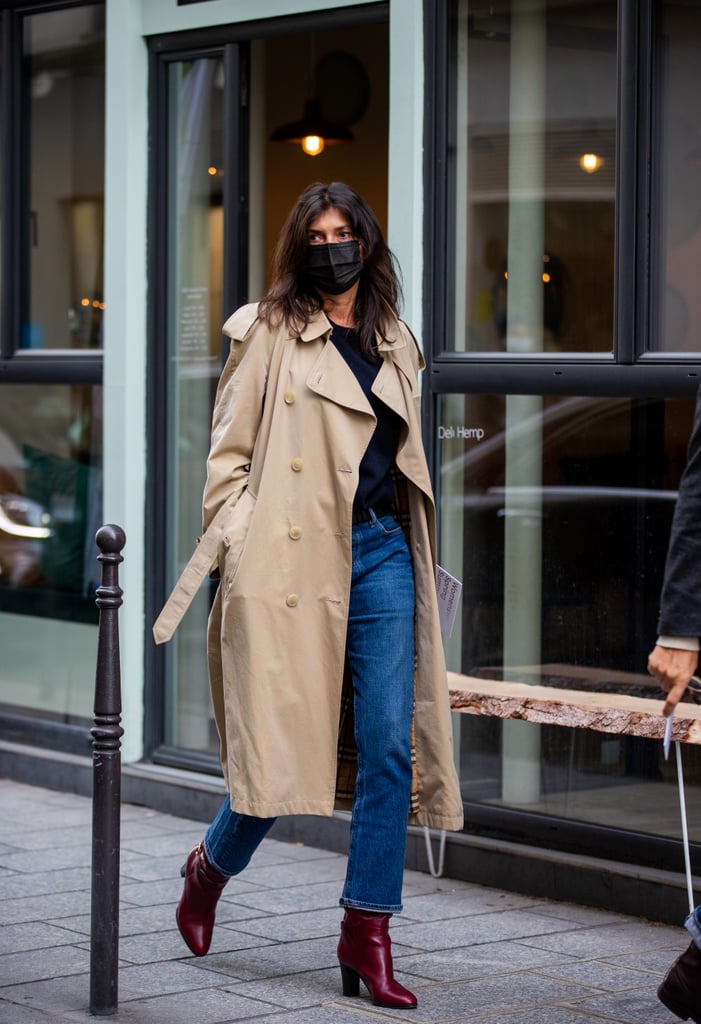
[(596, 708)]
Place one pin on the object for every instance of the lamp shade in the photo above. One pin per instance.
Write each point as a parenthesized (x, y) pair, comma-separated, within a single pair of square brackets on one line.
[(312, 124)]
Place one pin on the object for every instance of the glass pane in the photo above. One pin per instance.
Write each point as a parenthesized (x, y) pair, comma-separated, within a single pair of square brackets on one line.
[(555, 513), (66, 88), (676, 197), (195, 314), (50, 498), (535, 134)]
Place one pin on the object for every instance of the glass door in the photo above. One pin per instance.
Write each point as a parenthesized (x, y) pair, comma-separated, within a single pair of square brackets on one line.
[(203, 155)]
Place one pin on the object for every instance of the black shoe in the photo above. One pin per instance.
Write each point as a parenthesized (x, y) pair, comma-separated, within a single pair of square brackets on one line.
[(681, 989)]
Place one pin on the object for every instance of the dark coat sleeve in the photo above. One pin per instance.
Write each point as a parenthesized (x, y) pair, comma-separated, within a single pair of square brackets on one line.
[(680, 604)]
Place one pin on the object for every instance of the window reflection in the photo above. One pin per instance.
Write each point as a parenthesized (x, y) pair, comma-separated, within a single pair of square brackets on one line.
[(50, 499), (535, 115), (66, 68), (676, 197), (562, 571)]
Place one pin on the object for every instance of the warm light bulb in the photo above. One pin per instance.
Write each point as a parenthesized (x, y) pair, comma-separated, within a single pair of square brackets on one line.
[(546, 278), (590, 162), (312, 145), (212, 171)]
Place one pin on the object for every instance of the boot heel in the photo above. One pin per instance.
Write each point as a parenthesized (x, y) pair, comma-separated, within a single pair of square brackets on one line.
[(351, 981)]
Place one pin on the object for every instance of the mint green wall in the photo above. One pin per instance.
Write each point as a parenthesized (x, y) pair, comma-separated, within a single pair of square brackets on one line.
[(125, 324)]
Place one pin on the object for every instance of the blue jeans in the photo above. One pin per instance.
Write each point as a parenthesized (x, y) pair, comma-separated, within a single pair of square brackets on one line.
[(380, 650)]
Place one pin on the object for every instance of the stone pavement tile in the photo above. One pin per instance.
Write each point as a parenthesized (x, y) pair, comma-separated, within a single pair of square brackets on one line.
[(642, 1007), (307, 873), (67, 880), (158, 918), (50, 838), (655, 962), (293, 899), (60, 817), (599, 974), (39, 861), (465, 963), (460, 902), (349, 1011), (273, 961), (290, 927), (463, 1001), (578, 915), (199, 1006), (417, 883), (542, 1015), (168, 890), (310, 988), (479, 928), (152, 869), (50, 907), (10, 1013), (608, 940), (300, 851), (73, 993), (168, 945), (268, 854), (16, 968), (33, 936)]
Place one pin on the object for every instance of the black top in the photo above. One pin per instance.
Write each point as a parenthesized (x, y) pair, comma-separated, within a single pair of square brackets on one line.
[(375, 485)]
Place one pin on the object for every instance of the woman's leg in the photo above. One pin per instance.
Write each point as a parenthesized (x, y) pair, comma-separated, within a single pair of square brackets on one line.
[(233, 838), (228, 846), (380, 645), (380, 648)]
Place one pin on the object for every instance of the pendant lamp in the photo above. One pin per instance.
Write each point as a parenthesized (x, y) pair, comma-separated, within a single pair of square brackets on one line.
[(312, 132)]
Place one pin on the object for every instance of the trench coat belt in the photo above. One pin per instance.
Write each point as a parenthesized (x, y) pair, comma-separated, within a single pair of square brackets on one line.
[(201, 562)]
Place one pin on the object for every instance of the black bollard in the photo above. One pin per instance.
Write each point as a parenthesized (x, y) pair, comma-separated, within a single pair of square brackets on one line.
[(106, 733)]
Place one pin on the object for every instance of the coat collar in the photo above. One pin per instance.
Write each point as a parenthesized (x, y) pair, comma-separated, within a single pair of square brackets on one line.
[(320, 327)]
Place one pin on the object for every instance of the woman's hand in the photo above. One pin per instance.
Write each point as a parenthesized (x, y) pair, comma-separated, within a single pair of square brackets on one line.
[(672, 667)]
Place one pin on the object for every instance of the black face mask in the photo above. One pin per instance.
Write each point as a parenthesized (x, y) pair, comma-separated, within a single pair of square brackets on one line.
[(333, 268)]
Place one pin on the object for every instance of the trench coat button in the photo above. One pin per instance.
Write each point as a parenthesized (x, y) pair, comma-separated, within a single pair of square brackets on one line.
[(295, 532), (297, 464), (292, 600), (290, 398)]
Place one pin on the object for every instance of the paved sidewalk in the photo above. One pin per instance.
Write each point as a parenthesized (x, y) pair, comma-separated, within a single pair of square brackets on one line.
[(470, 953)]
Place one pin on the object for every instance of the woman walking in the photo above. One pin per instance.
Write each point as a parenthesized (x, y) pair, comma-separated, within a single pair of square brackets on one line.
[(325, 658)]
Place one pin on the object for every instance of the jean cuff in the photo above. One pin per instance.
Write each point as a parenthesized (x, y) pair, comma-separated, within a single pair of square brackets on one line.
[(693, 926), (371, 908)]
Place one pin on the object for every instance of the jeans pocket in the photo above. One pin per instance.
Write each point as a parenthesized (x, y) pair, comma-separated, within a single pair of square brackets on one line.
[(389, 526)]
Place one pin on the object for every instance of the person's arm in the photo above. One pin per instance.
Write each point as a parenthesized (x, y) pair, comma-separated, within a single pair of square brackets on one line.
[(674, 658), (237, 414)]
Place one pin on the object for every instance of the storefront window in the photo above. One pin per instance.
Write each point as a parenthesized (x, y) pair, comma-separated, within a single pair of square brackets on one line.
[(50, 510), (676, 195), (66, 69), (534, 164), (555, 513)]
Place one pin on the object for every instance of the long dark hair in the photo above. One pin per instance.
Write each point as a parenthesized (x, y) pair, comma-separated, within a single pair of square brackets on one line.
[(293, 301)]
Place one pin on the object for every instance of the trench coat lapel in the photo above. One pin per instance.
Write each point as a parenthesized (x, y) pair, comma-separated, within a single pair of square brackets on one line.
[(332, 378)]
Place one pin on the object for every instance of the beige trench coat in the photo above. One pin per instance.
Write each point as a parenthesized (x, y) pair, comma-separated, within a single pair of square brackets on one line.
[(290, 427)]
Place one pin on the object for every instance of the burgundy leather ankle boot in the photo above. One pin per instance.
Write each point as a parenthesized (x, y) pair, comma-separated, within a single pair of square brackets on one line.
[(195, 913), (365, 952)]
